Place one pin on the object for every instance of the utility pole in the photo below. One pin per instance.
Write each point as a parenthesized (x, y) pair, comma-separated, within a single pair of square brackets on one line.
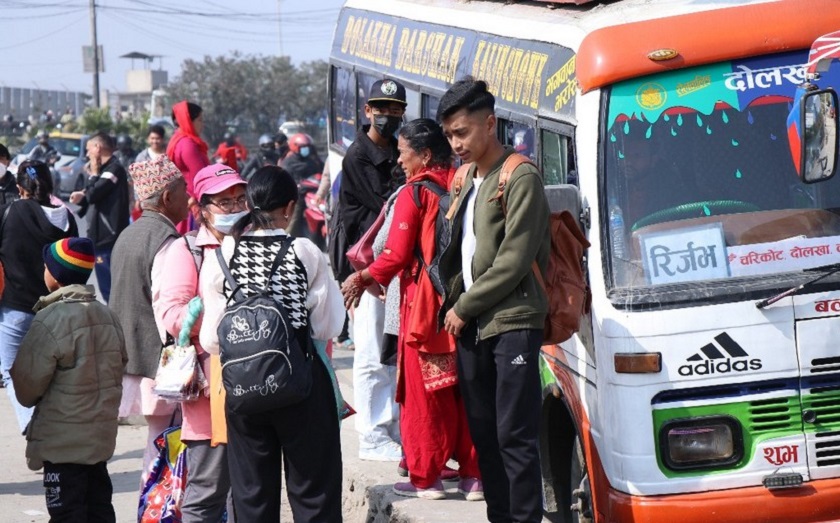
[(95, 53), (279, 24)]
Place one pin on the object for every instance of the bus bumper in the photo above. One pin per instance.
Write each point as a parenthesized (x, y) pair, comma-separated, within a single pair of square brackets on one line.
[(813, 502)]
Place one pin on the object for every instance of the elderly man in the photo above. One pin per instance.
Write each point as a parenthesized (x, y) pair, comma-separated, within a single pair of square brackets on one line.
[(162, 193)]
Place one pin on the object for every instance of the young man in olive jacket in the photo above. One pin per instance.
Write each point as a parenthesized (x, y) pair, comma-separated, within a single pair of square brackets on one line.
[(497, 305)]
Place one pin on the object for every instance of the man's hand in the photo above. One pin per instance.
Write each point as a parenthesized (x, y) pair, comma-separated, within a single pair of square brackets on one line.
[(453, 324), (76, 197)]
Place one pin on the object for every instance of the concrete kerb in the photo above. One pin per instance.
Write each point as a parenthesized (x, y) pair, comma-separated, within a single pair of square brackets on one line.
[(368, 494)]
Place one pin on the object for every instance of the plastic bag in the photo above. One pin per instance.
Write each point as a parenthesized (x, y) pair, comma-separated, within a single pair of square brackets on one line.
[(179, 376)]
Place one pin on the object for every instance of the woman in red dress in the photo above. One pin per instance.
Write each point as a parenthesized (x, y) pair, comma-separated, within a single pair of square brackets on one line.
[(433, 422), (188, 152)]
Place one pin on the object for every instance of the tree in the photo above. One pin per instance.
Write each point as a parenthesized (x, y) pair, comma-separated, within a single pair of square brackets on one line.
[(250, 93), (95, 120)]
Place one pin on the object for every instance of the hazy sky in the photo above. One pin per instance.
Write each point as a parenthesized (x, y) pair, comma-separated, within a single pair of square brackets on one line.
[(41, 42)]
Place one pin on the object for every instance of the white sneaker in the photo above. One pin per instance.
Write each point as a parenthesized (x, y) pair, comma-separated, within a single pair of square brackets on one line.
[(390, 451)]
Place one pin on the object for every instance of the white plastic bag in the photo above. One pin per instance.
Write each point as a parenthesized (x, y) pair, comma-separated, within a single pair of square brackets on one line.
[(179, 376)]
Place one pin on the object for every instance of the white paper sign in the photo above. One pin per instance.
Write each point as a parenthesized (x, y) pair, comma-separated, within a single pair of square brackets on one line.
[(793, 254), (689, 254)]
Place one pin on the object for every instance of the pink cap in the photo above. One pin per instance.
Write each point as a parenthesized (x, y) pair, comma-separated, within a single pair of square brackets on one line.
[(215, 178)]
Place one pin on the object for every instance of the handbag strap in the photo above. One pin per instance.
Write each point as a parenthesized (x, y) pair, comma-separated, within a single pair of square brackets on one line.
[(236, 289)]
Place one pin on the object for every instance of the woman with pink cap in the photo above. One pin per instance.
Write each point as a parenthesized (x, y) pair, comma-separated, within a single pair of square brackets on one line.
[(220, 193)]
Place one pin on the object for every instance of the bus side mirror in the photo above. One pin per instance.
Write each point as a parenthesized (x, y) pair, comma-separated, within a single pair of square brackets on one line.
[(819, 124)]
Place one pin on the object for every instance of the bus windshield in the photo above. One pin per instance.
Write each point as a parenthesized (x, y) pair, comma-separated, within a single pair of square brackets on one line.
[(700, 185)]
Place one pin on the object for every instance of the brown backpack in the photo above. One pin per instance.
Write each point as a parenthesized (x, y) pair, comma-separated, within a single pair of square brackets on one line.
[(564, 283)]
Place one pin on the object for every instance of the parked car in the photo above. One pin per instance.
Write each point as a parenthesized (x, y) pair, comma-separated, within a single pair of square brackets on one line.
[(68, 170)]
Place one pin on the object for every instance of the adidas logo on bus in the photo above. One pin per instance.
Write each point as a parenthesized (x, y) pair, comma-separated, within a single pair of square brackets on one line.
[(710, 359)]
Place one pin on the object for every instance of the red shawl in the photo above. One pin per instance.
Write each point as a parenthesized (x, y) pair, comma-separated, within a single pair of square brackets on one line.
[(185, 130)]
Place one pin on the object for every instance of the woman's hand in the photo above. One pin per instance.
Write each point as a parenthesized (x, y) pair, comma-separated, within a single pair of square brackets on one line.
[(353, 287)]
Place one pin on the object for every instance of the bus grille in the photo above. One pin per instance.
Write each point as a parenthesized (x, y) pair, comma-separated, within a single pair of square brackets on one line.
[(773, 415), (825, 403), (828, 448)]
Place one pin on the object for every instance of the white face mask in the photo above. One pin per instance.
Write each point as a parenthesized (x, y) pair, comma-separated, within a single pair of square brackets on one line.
[(224, 222), (3, 169)]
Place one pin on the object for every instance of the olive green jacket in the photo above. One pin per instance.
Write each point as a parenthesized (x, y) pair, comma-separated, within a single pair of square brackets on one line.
[(70, 368), (505, 295)]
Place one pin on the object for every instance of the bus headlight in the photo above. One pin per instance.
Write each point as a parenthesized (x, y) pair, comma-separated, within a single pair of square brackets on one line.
[(701, 443)]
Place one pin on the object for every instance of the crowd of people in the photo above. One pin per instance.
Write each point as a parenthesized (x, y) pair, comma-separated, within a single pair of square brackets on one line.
[(437, 375)]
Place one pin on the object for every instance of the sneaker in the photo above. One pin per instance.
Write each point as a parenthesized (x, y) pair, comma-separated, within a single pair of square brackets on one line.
[(472, 489), (390, 451), (402, 468), (410, 491), (343, 345)]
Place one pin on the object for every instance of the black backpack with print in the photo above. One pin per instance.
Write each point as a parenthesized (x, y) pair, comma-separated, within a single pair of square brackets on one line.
[(266, 363)]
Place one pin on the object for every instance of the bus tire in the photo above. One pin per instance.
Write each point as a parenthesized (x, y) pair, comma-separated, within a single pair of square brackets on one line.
[(557, 437)]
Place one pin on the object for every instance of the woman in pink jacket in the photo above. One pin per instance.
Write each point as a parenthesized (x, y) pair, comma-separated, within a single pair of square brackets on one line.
[(220, 192), (188, 151)]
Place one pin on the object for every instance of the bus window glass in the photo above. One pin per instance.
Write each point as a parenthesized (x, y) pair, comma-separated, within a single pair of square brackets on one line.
[(519, 136), (412, 110), (364, 83), (343, 107), (555, 164), (430, 106), (700, 186)]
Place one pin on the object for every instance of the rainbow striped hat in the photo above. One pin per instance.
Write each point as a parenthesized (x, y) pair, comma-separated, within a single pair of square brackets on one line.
[(70, 260)]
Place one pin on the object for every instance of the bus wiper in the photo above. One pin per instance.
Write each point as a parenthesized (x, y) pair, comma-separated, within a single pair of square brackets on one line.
[(830, 269)]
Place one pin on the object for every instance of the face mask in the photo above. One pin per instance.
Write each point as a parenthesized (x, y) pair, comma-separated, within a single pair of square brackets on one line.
[(224, 222), (304, 151), (386, 125), (3, 170)]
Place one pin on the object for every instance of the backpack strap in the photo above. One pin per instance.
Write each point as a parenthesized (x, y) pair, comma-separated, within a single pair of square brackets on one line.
[(458, 184), (436, 189), (511, 163), (236, 289), (196, 251)]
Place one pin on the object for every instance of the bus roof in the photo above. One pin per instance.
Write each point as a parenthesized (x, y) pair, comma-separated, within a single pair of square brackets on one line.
[(612, 40)]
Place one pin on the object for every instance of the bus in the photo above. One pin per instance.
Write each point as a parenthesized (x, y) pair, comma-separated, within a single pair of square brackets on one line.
[(687, 395)]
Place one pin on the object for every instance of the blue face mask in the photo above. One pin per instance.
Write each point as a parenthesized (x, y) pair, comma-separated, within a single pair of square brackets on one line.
[(224, 222), (304, 151)]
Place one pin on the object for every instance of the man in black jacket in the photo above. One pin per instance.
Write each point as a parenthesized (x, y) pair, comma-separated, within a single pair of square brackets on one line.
[(105, 198), (366, 183)]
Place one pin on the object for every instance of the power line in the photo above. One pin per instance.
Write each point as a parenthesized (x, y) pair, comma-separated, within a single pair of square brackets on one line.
[(51, 33)]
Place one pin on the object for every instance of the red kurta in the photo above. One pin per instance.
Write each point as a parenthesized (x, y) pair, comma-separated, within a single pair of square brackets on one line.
[(433, 422)]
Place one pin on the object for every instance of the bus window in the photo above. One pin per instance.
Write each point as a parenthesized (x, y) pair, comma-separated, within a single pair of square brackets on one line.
[(364, 83), (430, 106), (519, 136), (557, 158), (412, 99), (343, 107)]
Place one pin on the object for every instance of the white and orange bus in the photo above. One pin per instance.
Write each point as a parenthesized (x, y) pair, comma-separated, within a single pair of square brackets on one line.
[(680, 399)]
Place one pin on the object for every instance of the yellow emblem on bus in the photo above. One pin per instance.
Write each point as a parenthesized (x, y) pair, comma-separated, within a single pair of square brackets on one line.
[(651, 96)]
